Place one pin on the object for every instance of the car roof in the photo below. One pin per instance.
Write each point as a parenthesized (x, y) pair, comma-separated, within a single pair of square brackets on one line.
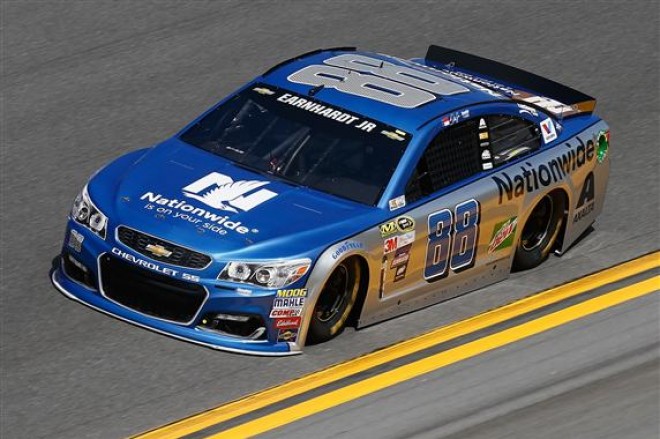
[(409, 119)]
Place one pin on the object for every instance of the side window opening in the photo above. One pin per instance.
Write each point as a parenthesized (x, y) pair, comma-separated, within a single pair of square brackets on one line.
[(511, 138), (452, 156)]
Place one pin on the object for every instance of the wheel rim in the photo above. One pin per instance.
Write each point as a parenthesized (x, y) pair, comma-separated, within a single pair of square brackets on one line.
[(538, 224), (334, 295)]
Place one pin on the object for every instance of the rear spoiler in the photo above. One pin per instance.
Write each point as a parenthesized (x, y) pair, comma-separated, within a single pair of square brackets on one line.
[(549, 95)]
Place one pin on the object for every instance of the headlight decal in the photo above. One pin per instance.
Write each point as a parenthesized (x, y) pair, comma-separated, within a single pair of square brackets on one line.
[(84, 212), (266, 274)]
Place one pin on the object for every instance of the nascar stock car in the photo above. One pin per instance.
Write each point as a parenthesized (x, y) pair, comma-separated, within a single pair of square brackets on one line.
[(338, 188)]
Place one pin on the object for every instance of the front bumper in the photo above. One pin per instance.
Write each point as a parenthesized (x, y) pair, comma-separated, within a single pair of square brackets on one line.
[(218, 300)]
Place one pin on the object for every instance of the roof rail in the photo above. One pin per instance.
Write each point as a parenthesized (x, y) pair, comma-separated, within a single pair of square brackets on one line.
[(306, 54)]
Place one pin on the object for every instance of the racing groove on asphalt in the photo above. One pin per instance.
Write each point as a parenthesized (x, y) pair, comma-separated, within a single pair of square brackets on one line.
[(85, 82)]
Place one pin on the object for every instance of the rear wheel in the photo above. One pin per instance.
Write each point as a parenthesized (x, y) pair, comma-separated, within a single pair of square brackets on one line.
[(540, 231), (335, 302)]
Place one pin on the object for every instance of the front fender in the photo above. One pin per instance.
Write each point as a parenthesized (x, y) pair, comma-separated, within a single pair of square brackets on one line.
[(325, 265)]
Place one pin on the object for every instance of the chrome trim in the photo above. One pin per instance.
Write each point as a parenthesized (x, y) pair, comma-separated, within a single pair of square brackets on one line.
[(164, 240), (199, 310), (68, 295)]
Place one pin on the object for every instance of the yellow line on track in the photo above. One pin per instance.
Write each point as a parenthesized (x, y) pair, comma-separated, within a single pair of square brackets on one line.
[(437, 361), (339, 371)]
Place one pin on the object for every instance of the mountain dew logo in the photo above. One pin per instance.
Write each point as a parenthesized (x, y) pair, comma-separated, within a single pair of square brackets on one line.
[(603, 145), (503, 235)]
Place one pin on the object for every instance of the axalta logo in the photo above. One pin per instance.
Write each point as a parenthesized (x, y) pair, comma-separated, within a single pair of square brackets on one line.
[(221, 192)]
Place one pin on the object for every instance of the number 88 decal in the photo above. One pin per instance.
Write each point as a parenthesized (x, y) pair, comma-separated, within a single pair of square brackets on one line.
[(452, 247)]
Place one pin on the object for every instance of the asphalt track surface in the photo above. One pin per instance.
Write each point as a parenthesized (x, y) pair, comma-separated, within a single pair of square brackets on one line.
[(83, 82)]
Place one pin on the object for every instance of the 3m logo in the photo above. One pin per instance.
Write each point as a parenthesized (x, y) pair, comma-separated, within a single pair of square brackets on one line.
[(221, 192)]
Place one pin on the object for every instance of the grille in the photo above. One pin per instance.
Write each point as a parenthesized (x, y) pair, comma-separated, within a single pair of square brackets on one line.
[(150, 293), (180, 256)]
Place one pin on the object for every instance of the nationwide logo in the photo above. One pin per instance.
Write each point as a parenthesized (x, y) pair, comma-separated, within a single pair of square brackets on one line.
[(533, 177), (221, 192), (503, 235)]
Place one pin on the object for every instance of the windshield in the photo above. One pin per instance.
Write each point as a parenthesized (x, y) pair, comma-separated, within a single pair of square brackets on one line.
[(303, 141)]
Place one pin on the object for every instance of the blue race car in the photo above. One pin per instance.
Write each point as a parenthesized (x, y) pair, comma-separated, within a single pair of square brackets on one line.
[(338, 188)]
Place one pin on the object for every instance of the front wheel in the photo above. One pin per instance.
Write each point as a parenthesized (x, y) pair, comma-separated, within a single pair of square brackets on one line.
[(335, 302), (540, 232)]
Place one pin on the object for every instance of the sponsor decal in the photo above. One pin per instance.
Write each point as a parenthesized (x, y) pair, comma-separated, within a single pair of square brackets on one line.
[(405, 224), (298, 292), (395, 242), (393, 135), (218, 191), (496, 89), (287, 323), (586, 202), (455, 117), (153, 266), (530, 179), (326, 111), (503, 234), (603, 145), (288, 312), (144, 263), (288, 302), (222, 192), (447, 120), (289, 335), (158, 250), (75, 240), (387, 229), (398, 202), (346, 246), (405, 239), (401, 257), (486, 85), (484, 144), (547, 104), (400, 273), (263, 91), (400, 224), (390, 244), (548, 130)]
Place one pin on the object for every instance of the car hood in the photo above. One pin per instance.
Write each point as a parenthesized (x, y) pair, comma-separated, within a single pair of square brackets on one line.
[(190, 197)]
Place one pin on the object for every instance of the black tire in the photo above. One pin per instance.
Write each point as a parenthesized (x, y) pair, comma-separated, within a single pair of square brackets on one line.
[(335, 302), (540, 232)]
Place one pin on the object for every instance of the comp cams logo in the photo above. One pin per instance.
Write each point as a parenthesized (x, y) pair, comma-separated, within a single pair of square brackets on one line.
[(221, 192)]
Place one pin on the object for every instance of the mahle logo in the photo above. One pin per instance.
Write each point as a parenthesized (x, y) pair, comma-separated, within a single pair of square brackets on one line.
[(221, 192)]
